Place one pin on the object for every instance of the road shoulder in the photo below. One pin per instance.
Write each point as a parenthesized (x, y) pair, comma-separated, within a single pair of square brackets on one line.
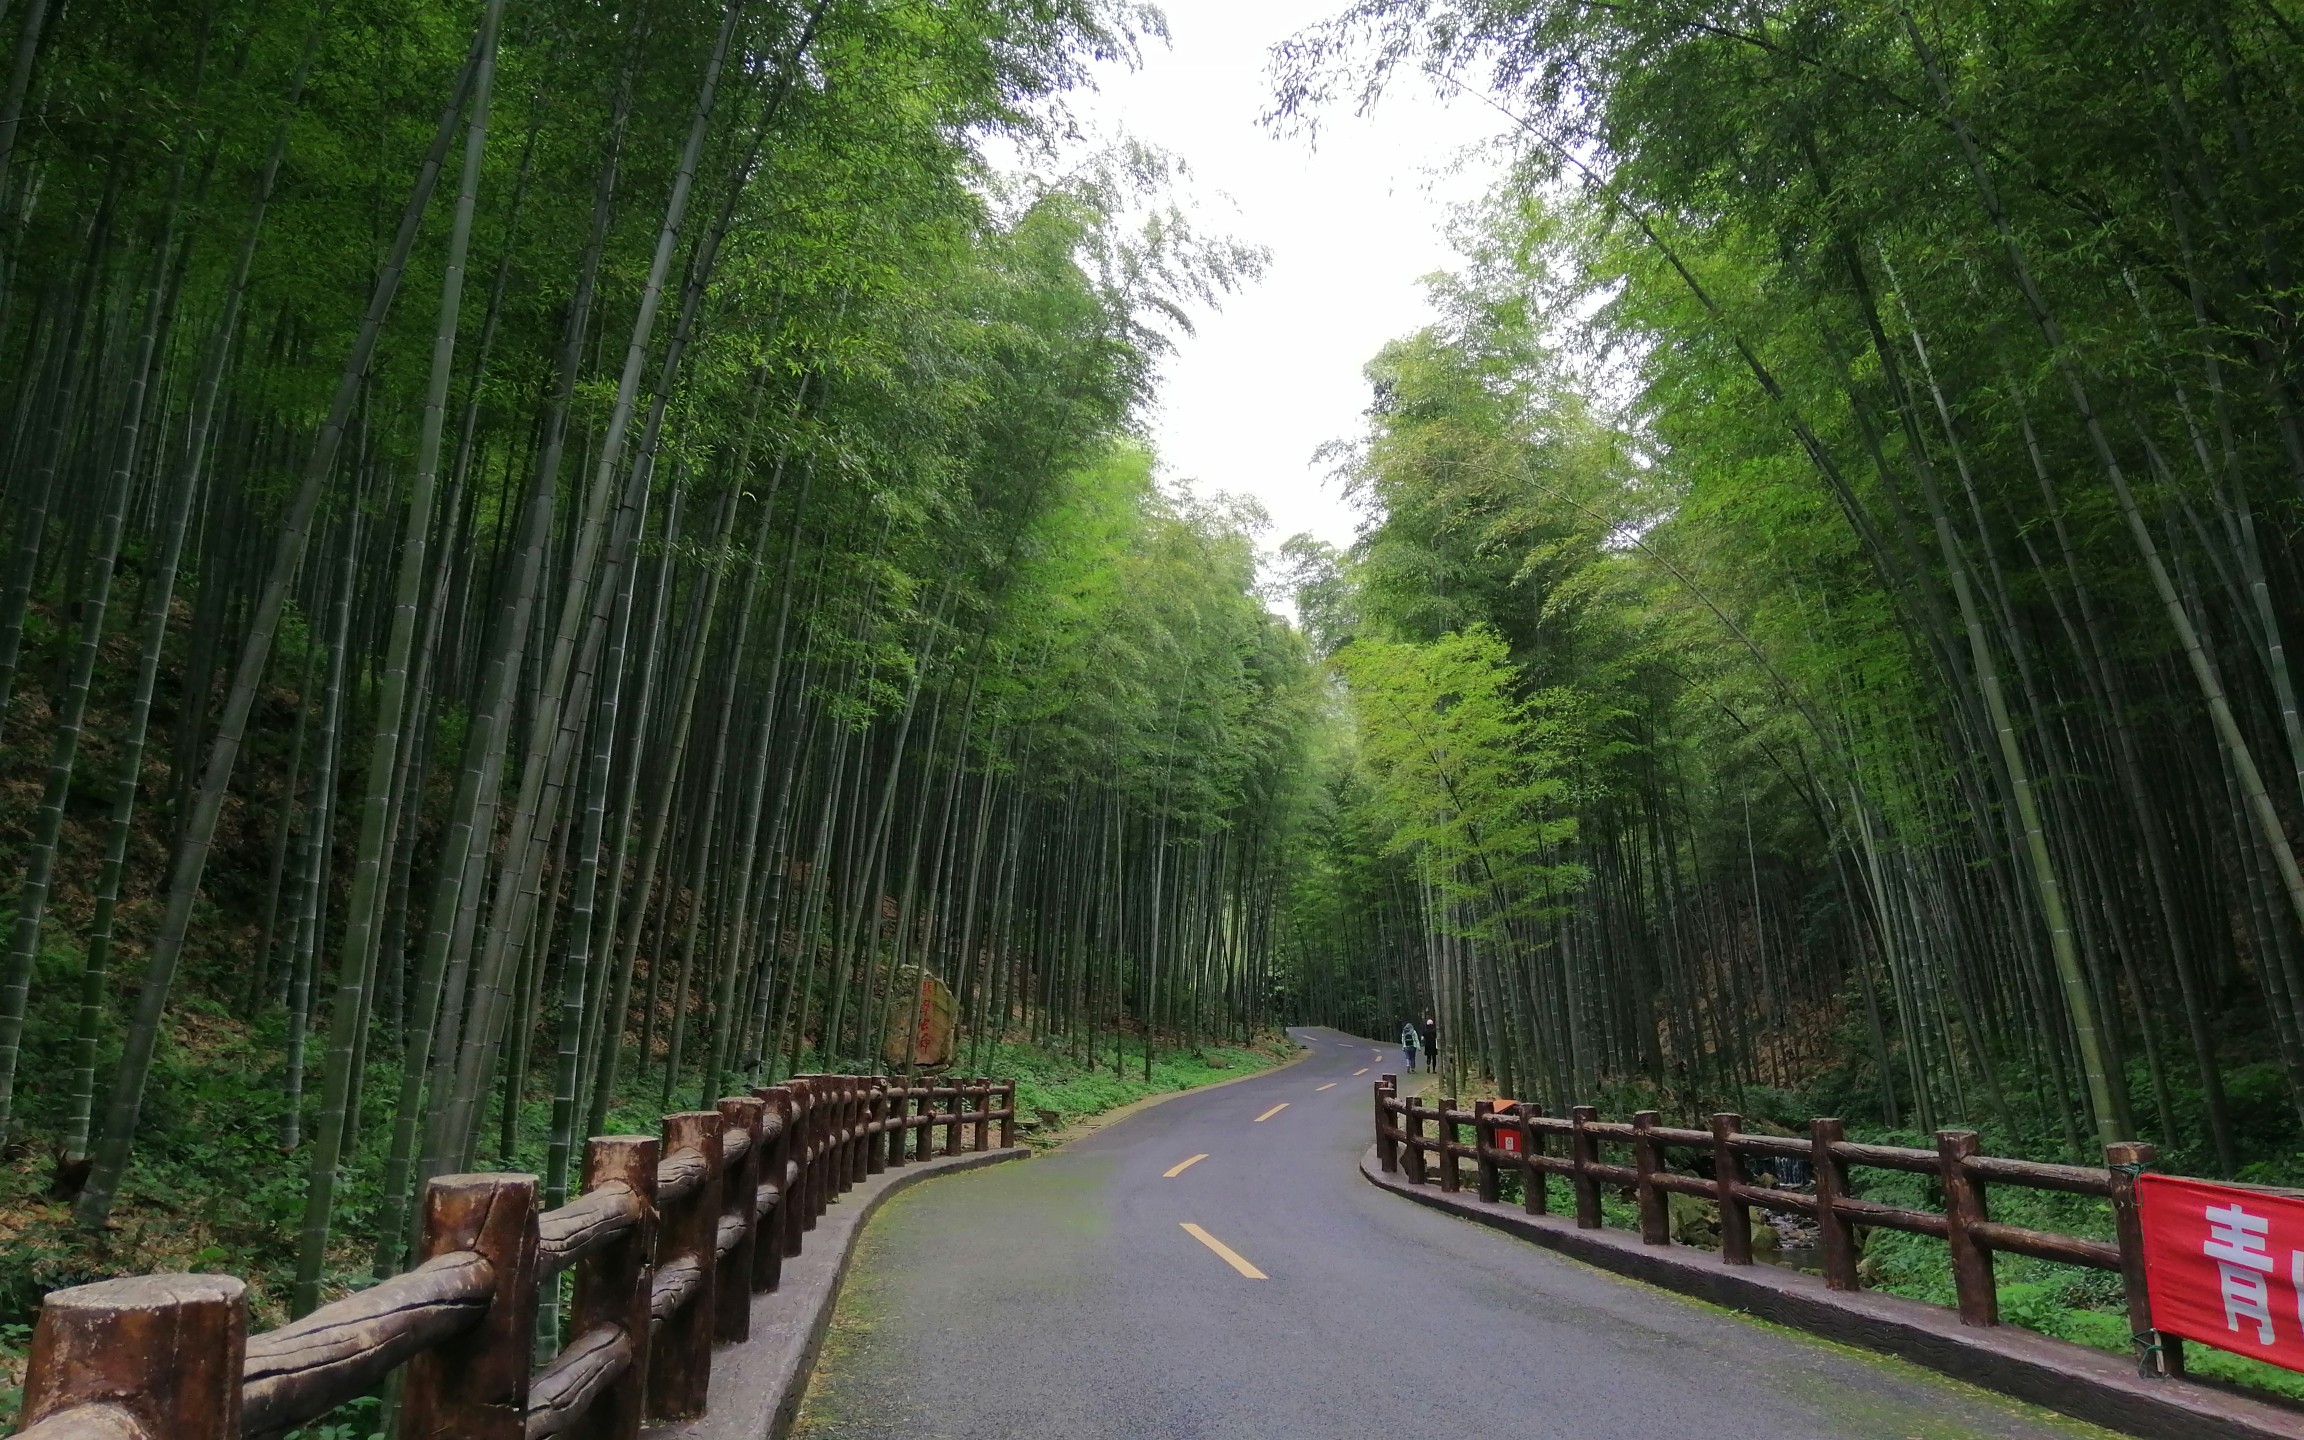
[(759, 1381), (2088, 1385)]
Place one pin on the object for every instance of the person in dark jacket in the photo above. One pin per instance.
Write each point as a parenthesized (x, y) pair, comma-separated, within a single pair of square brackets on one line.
[(1431, 1043)]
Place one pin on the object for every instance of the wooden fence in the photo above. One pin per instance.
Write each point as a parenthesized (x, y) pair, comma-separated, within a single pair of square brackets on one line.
[(669, 1241), (1520, 1137)]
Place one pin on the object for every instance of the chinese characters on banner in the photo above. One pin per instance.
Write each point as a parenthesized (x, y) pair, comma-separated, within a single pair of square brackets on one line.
[(2225, 1265)]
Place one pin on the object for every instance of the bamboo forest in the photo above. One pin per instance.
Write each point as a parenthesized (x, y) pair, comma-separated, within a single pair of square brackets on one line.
[(559, 558)]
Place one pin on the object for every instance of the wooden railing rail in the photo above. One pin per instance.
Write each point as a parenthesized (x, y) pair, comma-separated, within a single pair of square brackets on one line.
[(1520, 1137), (669, 1240)]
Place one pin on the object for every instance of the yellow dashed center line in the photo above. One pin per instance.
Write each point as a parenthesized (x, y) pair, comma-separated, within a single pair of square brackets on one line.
[(1329, 1086), (1175, 1170), (1230, 1256), (1271, 1112)]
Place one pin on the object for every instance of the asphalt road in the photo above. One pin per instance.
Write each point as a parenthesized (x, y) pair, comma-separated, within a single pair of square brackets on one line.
[(1065, 1298)]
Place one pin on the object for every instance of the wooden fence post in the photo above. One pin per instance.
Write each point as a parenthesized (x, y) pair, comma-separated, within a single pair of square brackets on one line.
[(855, 1129), (895, 1101), (1964, 1207), (832, 1143), (952, 1119), (1412, 1122), (161, 1351), (796, 1216), (895, 1111), (823, 1145), (1482, 1134), (2127, 1161), (899, 1123), (1008, 1115), (1535, 1194), (876, 1110), (680, 1362), (1834, 1237), (1647, 1159), (853, 1132), (1451, 1178), (776, 1153), (860, 1119), (740, 1204), (1582, 1153), (923, 1130), (828, 1179), (983, 1114), (1387, 1147), (832, 1160), (808, 1099), (1727, 1174), (823, 1126), (612, 1284), (477, 1388)]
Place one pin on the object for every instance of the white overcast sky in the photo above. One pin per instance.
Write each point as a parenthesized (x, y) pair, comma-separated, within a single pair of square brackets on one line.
[(1352, 224)]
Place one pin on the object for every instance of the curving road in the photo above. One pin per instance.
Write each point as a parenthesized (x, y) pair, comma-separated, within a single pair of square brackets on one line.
[(1066, 1298)]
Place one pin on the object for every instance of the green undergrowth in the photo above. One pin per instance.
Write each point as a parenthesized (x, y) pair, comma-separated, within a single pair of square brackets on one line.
[(212, 1188), (1053, 1076)]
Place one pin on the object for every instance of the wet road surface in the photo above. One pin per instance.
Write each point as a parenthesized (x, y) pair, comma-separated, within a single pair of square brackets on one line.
[(1119, 1287)]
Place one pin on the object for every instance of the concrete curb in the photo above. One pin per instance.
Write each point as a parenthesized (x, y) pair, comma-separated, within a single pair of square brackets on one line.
[(2091, 1385), (757, 1385)]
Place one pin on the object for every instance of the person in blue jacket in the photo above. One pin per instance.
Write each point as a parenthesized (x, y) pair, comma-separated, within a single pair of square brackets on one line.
[(1408, 1043)]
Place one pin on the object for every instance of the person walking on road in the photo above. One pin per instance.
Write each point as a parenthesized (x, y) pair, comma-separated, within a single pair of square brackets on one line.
[(1408, 1043), (1431, 1044)]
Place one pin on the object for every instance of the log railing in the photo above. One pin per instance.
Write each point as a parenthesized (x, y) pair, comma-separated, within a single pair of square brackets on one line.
[(669, 1240), (1422, 1138)]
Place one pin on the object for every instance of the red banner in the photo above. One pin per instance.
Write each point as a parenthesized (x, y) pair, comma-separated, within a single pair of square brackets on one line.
[(1507, 1140), (2226, 1265)]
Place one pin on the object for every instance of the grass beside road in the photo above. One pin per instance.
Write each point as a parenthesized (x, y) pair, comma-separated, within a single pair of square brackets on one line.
[(1053, 1076)]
